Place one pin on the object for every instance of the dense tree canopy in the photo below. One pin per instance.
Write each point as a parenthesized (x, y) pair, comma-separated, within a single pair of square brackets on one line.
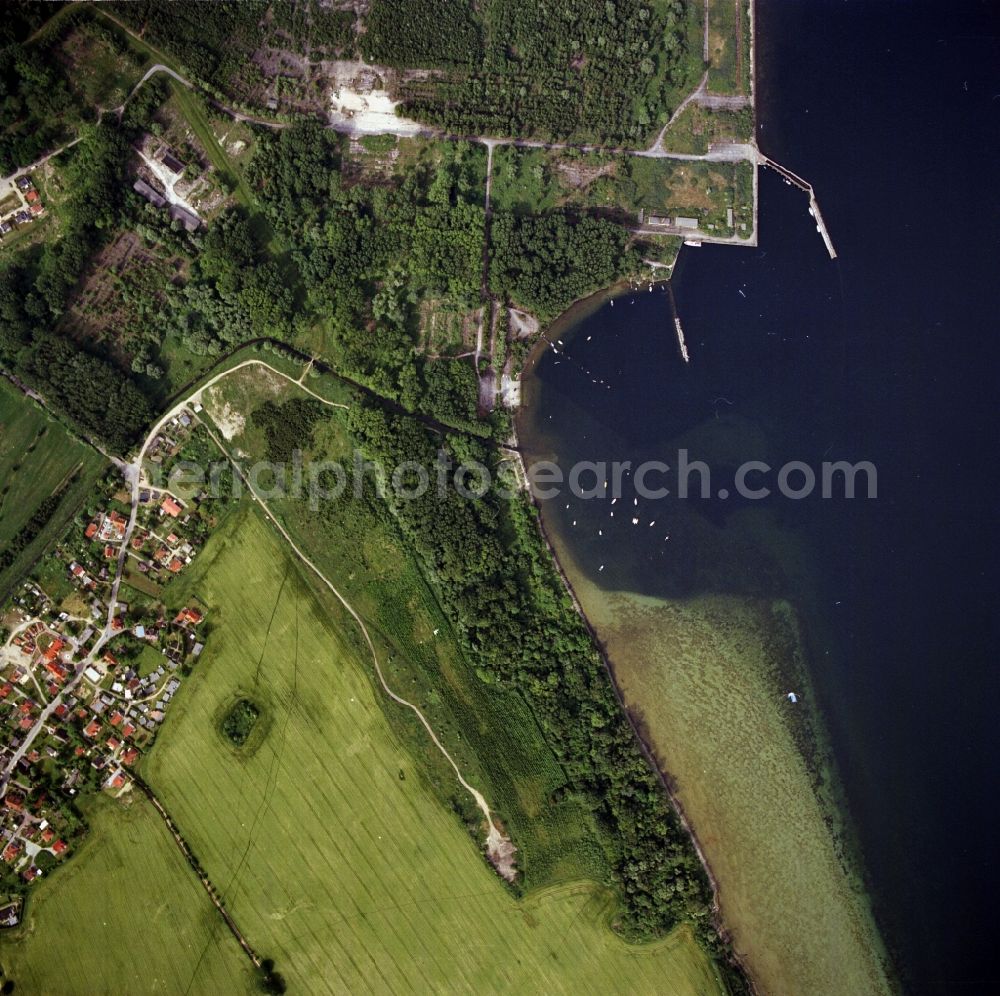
[(544, 263)]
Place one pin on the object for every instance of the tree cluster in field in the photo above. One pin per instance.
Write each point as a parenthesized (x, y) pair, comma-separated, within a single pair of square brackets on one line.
[(240, 721), (518, 627), (288, 427), (577, 68)]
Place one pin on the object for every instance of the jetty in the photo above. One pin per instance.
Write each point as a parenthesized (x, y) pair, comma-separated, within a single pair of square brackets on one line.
[(677, 328), (804, 185), (680, 340)]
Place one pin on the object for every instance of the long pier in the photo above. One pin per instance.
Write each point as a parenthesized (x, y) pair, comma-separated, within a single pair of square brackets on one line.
[(804, 185)]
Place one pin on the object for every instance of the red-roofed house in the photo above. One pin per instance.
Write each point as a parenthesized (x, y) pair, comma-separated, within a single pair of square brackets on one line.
[(59, 846), (129, 756), (116, 719), (91, 531), (92, 729), (170, 507)]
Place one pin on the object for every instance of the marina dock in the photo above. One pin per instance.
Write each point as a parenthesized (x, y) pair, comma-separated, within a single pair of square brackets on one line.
[(797, 181)]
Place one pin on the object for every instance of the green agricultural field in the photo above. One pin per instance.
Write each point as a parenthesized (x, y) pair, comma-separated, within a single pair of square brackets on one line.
[(323, 837), (487, 729), (37, 457), (125, 914)]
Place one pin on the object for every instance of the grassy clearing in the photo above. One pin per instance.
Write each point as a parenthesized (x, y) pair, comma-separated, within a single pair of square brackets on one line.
[(704, 678), (699, 127), (331, 852), (99, 75), (533, 181), (37, 455), (728, 46), (126, 914)]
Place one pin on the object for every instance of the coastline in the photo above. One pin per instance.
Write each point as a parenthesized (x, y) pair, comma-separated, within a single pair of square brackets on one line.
[(872, 962), (571, 316)]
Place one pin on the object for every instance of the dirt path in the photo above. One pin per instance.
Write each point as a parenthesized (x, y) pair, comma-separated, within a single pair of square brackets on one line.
[(498, 845), (496, 841)]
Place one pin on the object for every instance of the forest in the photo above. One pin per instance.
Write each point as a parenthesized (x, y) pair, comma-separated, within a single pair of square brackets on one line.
[(364, 256), (600, 70), (214, 42), (34, 289), (545, 262)]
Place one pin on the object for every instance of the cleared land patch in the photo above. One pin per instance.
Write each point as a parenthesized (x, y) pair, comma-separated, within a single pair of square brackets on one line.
[(328, 847), (533, 181)]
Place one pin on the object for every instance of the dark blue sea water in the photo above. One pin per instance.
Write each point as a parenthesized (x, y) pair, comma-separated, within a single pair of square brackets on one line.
[(890, 354)]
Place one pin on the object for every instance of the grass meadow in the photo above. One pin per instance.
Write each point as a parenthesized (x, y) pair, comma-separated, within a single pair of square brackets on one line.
[(125, 915), (331, 850)]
